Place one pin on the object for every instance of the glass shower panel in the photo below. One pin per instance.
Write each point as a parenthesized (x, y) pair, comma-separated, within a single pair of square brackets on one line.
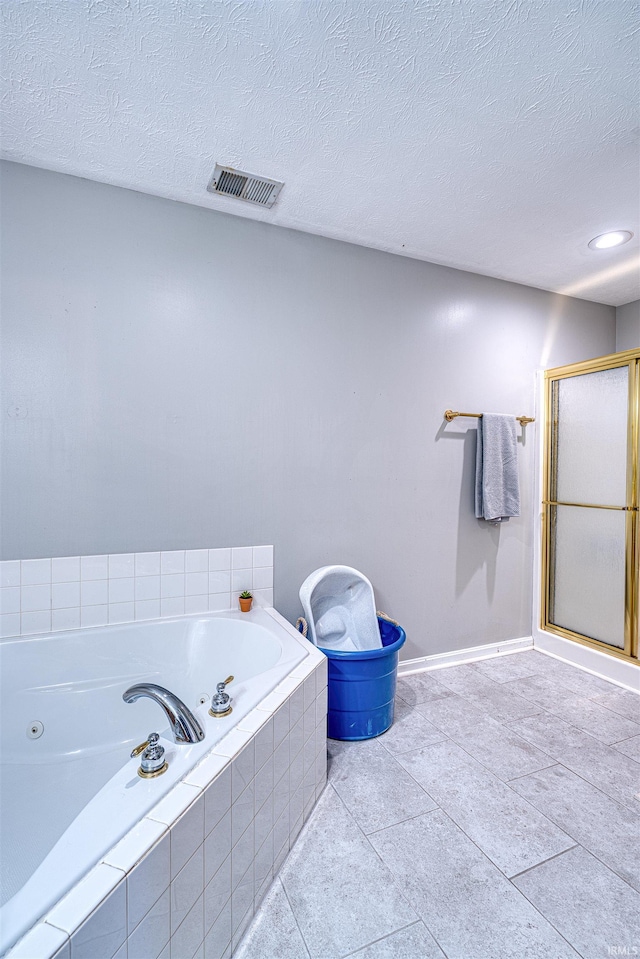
[(590, 445), (588, 572)]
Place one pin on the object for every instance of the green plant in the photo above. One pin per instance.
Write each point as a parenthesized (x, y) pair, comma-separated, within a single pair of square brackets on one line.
[(246, 594)]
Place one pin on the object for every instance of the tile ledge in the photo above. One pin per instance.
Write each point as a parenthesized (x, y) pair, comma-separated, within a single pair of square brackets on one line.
[(56, 916), (116, 857), (200, 773), (58, 939), (177, 797), (225, 747)]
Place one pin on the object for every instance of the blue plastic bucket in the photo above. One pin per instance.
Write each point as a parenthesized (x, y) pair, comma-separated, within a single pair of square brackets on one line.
[(362, 687)]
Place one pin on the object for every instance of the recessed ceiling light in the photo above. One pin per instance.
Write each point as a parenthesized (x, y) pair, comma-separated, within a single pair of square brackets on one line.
[(606, 240)]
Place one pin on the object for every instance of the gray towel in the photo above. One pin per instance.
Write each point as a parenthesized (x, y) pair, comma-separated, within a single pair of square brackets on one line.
[(497, 490)]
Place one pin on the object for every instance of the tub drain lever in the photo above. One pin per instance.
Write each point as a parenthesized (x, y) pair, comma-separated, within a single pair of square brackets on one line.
[(221, 702), (153, 762)]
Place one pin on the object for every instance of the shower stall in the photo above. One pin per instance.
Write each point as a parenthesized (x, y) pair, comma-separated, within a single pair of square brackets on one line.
[(591, 524)]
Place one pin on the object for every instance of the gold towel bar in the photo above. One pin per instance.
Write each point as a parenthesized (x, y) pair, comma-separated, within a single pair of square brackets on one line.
[(451, 415)]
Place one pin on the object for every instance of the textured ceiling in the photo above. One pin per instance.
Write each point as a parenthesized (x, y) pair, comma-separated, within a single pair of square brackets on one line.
[(493, 136)]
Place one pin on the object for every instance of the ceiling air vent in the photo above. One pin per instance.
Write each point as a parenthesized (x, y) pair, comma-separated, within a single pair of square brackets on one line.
[(244, 186)]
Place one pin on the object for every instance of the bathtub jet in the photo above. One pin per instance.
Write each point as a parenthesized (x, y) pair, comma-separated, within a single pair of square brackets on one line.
[(184, 725)]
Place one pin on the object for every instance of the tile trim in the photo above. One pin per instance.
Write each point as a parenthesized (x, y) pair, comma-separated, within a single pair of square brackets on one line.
[(613, 670), (469, 655)]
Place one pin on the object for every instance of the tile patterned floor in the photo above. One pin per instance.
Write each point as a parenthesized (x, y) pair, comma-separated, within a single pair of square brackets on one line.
[(499, 817)]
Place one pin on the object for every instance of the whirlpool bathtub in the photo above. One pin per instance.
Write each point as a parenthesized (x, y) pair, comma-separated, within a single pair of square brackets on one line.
[(69, 789)]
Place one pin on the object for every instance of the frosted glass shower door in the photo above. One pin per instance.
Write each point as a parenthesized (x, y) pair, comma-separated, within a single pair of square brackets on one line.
[(591, 503), (589, 572)]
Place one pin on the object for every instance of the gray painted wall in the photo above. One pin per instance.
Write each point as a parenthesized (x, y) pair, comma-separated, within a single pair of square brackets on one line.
[(628, 326), (175, 377)]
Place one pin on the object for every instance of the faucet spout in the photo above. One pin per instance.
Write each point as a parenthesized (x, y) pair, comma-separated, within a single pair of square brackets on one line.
[(184, 725)]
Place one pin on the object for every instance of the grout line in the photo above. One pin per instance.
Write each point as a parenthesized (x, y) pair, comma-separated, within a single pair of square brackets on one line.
[(627, 739), (586, 731), (606, 865), (295, 919), (555, 761), (558, 682), (476, 700), (505, 724), (420, 786), (566, 830), (542, 862), (621, 752), (353, 955), (565, 722), (615, 712), (534, 772), (548, 921), (594, 786), (412, 749), (385, 865), (614, 753), (497, 778), (474, 843), (602, 862), (485, 854), (356, 825), (506, 782), (392, 825)]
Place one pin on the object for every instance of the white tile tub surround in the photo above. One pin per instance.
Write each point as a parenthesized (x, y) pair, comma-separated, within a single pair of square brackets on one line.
[(186, 881), (73, 592)]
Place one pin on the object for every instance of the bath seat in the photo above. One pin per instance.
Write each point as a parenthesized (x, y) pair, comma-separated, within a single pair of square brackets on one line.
[(340, 609)]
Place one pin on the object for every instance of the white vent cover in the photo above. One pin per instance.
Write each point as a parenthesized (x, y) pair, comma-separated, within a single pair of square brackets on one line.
[(244, 186)]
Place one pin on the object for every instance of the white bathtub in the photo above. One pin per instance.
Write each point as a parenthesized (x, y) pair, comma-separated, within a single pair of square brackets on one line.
[(71, 794)]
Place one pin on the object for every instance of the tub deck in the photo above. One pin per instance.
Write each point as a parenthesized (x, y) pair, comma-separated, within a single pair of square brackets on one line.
[(63, 798)]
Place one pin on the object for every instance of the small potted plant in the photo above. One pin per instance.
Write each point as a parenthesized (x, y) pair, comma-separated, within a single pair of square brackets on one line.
[(245, 599)]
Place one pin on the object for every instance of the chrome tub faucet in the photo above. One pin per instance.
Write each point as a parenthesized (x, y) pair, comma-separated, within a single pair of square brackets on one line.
[(184, 725)]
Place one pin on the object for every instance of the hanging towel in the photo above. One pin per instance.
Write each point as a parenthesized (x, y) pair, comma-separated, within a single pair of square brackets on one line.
[(497, 490)]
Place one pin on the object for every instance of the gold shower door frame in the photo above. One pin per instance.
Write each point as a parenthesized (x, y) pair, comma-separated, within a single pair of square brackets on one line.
[(630, 359)]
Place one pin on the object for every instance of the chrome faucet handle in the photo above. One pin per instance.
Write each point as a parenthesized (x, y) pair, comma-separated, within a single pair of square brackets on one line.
[(151, 741), (221, 702), (153, 762)]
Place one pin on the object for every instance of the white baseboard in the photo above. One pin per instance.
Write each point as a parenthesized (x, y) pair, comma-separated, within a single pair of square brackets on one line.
[(599, 664), (469, 655)]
